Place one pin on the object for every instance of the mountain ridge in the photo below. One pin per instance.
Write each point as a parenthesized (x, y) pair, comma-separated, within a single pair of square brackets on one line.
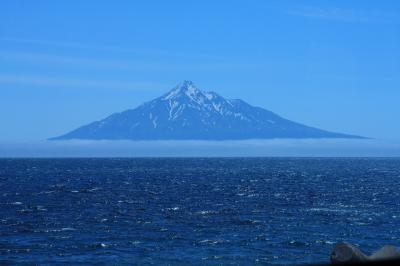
[(188, 113)]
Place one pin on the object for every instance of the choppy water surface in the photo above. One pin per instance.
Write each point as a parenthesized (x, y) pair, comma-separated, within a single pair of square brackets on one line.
[(194, 211)]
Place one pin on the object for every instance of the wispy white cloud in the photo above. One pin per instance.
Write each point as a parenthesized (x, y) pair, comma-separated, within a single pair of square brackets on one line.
[(51, 81), (171, 54), (38, 58), (86, 46), (345, 15), (62, 60)]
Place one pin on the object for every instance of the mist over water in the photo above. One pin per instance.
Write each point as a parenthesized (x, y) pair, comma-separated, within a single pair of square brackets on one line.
[(273, 147)]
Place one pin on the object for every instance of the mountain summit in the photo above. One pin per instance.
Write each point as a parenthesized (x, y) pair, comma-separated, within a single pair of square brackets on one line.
[(187, 113)]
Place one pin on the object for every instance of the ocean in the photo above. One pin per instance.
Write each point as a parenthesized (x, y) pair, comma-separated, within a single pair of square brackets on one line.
[(195, 211)]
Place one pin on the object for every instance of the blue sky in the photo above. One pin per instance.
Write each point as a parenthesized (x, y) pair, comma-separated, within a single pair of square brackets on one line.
[(329, 64)]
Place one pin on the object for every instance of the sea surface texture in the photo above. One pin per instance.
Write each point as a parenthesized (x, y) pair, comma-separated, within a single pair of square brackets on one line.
[(194, 211)]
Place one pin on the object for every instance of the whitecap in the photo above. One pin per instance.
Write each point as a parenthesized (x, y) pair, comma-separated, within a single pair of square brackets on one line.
[(206, 212), (172, 209), (68, 229)]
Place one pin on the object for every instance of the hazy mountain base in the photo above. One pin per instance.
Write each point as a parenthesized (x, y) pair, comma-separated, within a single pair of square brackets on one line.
[(274, 147)]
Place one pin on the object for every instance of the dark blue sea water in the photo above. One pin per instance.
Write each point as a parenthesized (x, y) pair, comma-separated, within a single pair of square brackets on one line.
[(194, 211)]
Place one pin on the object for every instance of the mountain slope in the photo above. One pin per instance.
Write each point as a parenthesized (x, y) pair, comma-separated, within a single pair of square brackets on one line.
[(188, 113)]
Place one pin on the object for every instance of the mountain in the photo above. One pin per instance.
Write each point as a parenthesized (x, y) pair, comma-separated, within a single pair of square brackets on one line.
[(187, 113)]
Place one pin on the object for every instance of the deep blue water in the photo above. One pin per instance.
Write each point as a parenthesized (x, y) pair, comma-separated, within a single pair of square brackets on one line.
[(194, 211)]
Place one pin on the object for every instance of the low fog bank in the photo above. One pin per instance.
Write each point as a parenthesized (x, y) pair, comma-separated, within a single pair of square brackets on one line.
[(275, 147)]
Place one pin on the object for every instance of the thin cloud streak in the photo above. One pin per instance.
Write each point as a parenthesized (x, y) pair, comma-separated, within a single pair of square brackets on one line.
[(345, 15), (63, 60), (83, 46), (79, 83), (114, 49), (37, 58)]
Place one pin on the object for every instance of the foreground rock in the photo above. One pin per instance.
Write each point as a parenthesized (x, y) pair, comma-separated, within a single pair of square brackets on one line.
[(344, 253)]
